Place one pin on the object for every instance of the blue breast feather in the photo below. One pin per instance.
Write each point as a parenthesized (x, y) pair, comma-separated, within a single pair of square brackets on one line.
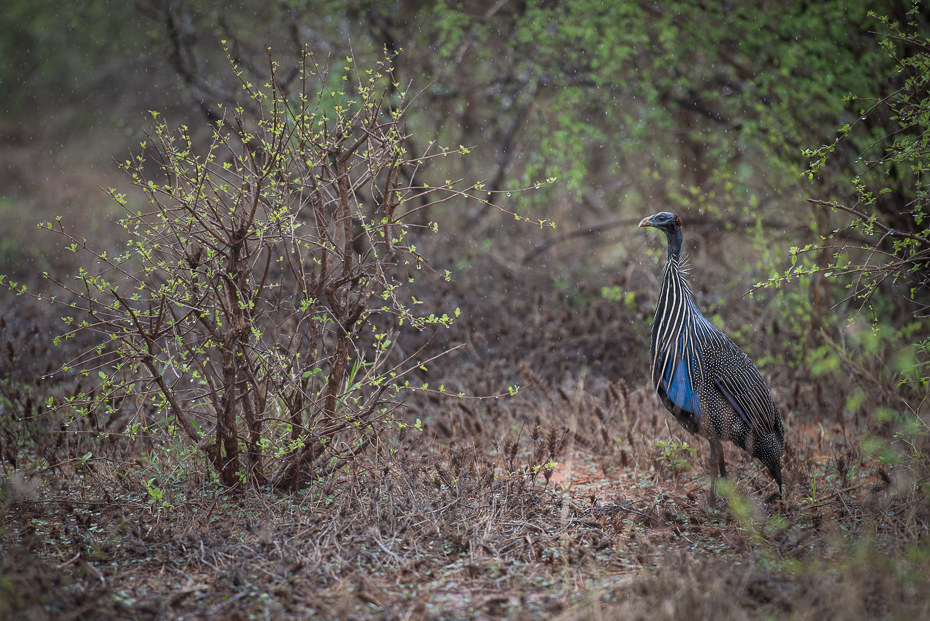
[(680, 390)]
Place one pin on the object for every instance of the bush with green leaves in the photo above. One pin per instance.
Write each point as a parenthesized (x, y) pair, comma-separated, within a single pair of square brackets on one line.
[(882, 252), (878, 261), (254, 306)]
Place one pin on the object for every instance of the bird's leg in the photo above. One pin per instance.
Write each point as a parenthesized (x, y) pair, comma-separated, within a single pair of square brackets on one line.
[(722, 464), (717, 466), (712, 467)]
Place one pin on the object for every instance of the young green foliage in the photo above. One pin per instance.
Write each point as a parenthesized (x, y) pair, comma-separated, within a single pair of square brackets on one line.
[(251, 307)]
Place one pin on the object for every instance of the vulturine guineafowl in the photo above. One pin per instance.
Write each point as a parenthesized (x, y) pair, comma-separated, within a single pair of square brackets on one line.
[(708, 384)]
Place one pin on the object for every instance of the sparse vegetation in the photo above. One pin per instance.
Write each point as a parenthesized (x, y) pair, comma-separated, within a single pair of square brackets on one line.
[(323, 357)]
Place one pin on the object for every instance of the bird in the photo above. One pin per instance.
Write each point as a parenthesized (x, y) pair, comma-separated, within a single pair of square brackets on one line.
[(702, 377)]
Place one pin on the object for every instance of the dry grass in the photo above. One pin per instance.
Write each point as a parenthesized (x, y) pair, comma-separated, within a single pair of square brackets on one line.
[(460, 520)]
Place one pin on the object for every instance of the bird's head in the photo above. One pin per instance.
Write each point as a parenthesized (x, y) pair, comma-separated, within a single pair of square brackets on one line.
[(671, 225), (663, 220)]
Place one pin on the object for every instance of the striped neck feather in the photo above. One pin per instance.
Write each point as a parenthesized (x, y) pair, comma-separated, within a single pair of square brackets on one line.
[(677, 322)]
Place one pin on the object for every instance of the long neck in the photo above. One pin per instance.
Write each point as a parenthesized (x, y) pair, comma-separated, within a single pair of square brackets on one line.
[(676, 318), (676, 303), (675, 299), (675, 238)]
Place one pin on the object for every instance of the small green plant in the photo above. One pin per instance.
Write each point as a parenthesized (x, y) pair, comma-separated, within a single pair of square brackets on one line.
[(676, 454), (156, 494)]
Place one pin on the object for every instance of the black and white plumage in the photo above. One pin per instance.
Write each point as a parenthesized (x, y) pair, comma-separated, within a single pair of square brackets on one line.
[(708, 384)]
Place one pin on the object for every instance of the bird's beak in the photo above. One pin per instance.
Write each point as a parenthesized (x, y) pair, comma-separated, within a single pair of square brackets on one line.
[(644, 222)]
